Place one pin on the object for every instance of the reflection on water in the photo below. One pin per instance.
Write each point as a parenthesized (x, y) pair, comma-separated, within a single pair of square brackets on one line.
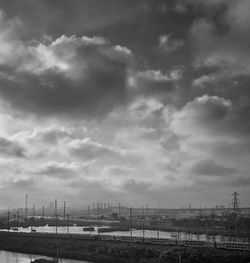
[(10, 257), (137, 233)]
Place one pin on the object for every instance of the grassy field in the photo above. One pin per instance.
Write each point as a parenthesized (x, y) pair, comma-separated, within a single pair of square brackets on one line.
[(115, 252)]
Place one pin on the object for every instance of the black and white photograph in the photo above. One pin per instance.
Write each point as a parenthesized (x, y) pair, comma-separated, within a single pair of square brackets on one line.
[(125, 131)]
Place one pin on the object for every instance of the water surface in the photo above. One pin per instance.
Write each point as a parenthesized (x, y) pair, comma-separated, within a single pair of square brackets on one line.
[(11, 257), (135, 233)]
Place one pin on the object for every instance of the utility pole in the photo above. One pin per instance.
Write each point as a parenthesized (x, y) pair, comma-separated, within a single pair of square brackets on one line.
[(43, 213), (56, 213), (213, 224), (97, 207), (179, 257), (119, 210), (26, 206), (88, 211), (235, 202), (33, 220), (143, 231), (64, 210), (57, 244), (67, 223), (131, 221), (8, 220), (17, 219), (34, 211)]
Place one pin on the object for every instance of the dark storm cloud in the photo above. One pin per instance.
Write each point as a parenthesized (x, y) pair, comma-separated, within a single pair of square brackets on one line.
[(19, 184), (58, 170), (72, 76), (227, 50), (88, 150), (11, 148), (240, 181), (59, 17), (52, 135), (214, 115), (211, 168), (117, 171), (168, 45), (206, 114), (155, 83), (51, 93), (138, 186)]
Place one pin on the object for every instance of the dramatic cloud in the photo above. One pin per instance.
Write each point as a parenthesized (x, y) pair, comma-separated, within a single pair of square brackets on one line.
[(52, 135), (203, 115), (59, 170), (70, 76), (11, 148), (169, 45), (211, 168), (136, 103)]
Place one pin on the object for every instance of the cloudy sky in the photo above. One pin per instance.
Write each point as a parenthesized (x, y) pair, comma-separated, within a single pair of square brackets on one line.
[(127, 101)]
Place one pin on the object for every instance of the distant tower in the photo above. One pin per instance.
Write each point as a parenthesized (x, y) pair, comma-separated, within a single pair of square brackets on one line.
[(235, 209), (235, 202)]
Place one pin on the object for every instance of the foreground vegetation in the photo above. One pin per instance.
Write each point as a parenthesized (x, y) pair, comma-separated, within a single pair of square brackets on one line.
[(113, 252)]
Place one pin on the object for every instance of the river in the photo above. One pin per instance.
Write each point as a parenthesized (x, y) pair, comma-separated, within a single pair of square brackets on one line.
[(135, 232), (11, 257)]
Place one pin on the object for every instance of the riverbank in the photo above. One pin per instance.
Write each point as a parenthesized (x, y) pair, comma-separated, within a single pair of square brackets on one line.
[(113, 252), (123, 226)]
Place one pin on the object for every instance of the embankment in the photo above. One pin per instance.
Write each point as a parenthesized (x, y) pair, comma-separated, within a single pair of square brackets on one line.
[(113, 252)]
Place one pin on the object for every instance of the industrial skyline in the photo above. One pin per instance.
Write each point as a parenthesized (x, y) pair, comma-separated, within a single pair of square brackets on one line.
[(56, 206)]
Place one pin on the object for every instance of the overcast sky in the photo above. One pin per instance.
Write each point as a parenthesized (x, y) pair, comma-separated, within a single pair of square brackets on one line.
[(127, 101)]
